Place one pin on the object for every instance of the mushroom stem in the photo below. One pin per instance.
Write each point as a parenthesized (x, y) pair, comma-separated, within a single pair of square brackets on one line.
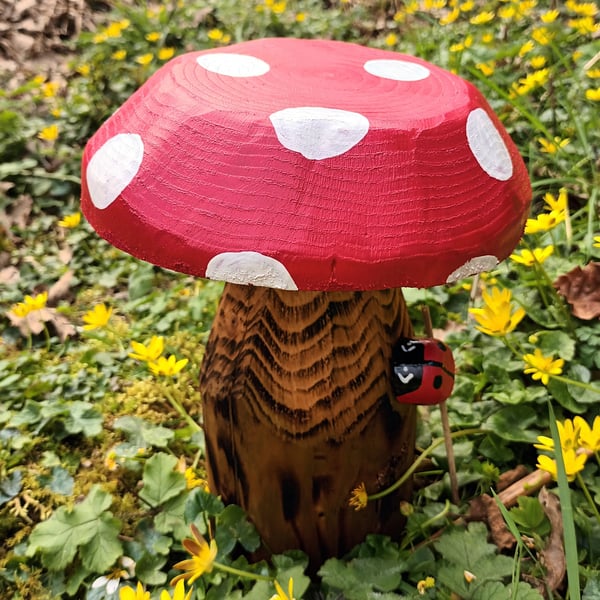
[(298, 411)]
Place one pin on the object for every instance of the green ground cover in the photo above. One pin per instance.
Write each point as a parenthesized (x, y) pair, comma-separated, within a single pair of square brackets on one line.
[(101, 454)]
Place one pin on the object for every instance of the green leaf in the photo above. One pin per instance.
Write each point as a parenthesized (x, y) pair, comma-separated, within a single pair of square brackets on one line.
[(148, 569), (10, 486), (202, 502), (59, 481), (60, 536), (141, 434), (592, 588), (161, 481), (513, 423), (104, 548), (83, 418), (233, 526), (530, 516), (556, 342)]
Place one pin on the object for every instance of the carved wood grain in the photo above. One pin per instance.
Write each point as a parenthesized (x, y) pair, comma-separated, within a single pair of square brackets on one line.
[(298, 410)]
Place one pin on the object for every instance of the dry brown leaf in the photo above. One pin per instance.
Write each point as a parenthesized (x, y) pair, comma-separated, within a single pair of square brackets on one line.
[(553, 555), (65, 254), (484, 508), (581, 289), (9, 276), (61, 288), (35, 322), (20, 211)]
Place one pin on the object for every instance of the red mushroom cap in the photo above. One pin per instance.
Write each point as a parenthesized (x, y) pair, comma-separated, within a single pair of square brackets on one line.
[(307, 164)]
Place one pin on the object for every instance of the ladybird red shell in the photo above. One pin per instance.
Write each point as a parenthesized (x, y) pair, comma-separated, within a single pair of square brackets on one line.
[(422, 371)]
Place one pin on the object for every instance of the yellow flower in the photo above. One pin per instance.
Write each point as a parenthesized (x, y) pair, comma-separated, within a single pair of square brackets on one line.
[(411, 7), (550, 16), (359, 497), (593, 95), (584, 25), (128, 593), (542, 367), (99, 38), (450, 17), (70, 221), (597, 241), (49, 134), (178, 593), (144, 59), (50, 89), (300, 17), (153, 36), (149, 352), (467, 6), (469, 577), (593, 73), (573, 463), (587, 9), (558, 204), (544, 222), (97, 317), (165, 53), (552, 147), (202, 561), (83, 70), (114, 30), (532, 81), (391, 39), (281, 595), (529, 258), (119, 55), (425, 584), (278, 7), (537, 62), (507, 12), (110, 462), (215, 35), (482, 18), (486, 68), (542, 35), (589, 437), (192, 481), (167, 366), (496, 317), (528, 46), (568, 433), (487, 38), (30, 304)]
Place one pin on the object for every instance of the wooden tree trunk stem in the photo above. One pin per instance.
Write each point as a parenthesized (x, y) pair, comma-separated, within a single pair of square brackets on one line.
[(298, 410)]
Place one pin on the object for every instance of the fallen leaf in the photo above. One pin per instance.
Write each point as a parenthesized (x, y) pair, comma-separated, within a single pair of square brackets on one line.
[(35, 322), (9, 276), (61, 288), (553, 555), (581, 289), (484, 508)]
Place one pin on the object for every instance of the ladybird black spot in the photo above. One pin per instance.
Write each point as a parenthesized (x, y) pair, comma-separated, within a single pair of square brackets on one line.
[(442, 346), (437, 382)]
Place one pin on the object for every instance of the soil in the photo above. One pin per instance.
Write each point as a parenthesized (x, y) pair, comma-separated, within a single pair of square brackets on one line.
[(35, 35)]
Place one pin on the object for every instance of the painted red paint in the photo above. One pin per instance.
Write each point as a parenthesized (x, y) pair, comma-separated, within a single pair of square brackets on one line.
[(203, 168)]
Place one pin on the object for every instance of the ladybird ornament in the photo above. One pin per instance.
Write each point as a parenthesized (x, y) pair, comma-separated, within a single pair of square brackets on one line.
[(422, 371)]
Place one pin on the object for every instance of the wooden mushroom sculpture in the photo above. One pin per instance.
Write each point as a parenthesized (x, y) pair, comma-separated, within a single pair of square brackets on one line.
[(316, 178)]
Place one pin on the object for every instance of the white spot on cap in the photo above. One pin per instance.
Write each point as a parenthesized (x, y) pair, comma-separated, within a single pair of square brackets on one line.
[(398, 70), (233, 65), (487, 145), (479, 264), (317, 132), (113, 167), (250, 268)]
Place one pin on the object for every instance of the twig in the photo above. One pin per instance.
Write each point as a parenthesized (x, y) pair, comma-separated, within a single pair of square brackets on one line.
[(445, 422)]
